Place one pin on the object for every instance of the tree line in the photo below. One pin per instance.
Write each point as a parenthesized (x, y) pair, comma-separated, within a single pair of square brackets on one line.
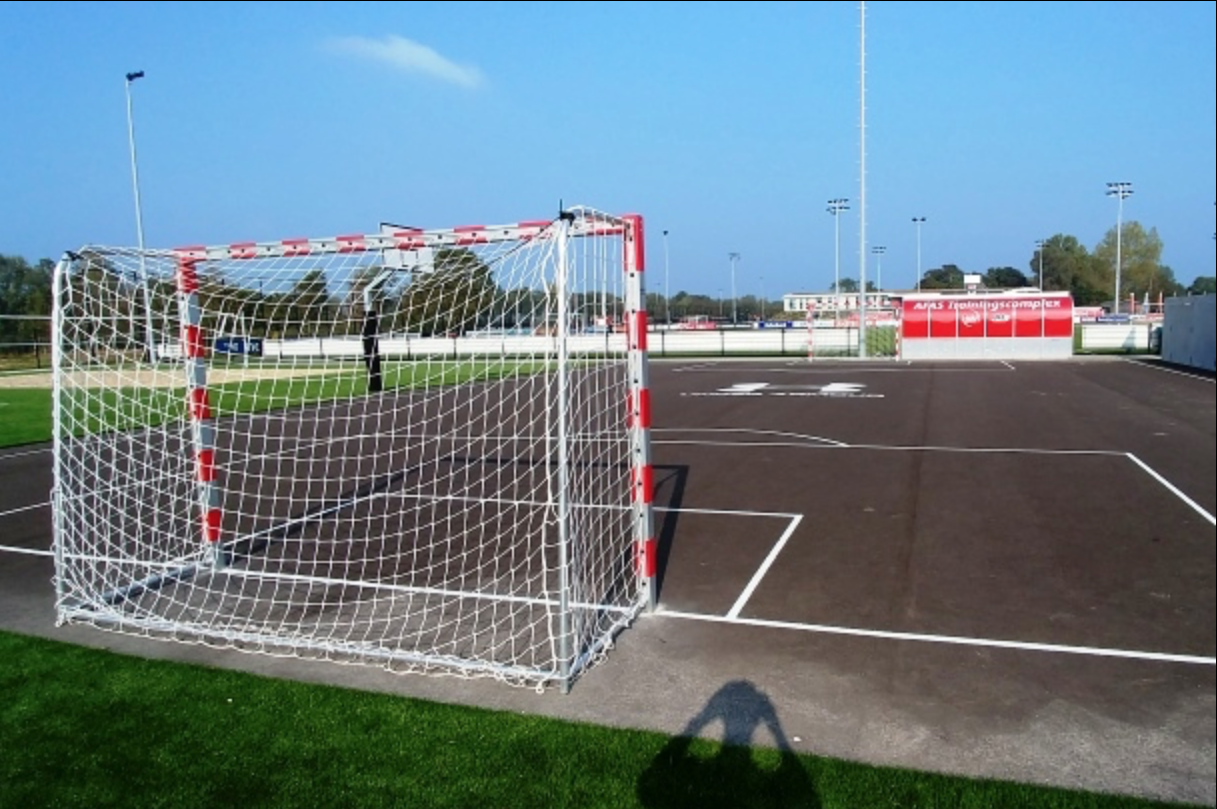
[(1065, 264), (117, 308), (462, 295)]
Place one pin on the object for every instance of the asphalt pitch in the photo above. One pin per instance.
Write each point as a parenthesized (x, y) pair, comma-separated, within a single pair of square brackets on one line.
[(994, 569)]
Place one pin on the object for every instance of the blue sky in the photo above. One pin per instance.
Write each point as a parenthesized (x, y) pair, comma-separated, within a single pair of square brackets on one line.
[(728, 124)]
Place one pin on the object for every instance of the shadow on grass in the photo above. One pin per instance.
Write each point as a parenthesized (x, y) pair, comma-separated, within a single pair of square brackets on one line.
[(700, 773)]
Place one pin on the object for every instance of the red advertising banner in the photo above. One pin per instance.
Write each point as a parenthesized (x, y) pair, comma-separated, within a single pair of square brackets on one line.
[(983, 316)]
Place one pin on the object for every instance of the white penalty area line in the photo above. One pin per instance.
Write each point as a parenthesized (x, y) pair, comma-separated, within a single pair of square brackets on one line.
[(815, 442), (915, 637)]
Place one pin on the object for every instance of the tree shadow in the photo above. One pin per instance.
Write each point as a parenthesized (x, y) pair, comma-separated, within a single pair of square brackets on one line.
[(698, 772)]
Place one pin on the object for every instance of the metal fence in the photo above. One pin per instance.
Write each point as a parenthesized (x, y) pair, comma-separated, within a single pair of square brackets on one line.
[(25, 342)]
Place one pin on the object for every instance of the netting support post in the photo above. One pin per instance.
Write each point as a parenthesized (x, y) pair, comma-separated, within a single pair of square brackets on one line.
[(642, 476), (60, 286), (562, 454), (198, 405)]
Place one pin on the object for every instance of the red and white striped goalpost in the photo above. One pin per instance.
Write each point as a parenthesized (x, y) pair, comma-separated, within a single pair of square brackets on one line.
[(639, 407), (202, 428)]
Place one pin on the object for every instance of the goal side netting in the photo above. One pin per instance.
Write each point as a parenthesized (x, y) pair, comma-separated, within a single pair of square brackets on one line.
[(421, 449)]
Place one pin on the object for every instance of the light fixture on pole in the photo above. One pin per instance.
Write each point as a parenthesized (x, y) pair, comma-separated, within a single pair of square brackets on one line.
[(667, 290), (139, 221), (878, 250), (1040, 245), (918, 221), (835, 206), (734, 312), (1121, 191)]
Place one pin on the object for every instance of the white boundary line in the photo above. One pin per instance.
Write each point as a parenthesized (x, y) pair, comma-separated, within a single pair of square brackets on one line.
[(20, 509), (1175, 371), (25, 551), (1093, 651), (4, 456)]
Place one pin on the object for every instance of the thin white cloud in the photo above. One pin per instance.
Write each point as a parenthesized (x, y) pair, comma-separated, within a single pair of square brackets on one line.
[(405, 54)]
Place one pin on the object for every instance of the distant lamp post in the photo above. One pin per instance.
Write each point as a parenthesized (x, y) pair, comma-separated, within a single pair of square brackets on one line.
[(835, 206), (878, 250), (1121, 191), (667, 289), (1040, 244), (734, 257), (918, 221), (139, 221)]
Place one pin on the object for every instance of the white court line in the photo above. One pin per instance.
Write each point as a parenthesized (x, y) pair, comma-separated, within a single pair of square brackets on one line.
[(4, 456), (764, 568), (821, 444), (839, 367), (815, 439), (814, 443), (1175, 371), (20, 509), (25, 551), (990, 643), (1172, 489)]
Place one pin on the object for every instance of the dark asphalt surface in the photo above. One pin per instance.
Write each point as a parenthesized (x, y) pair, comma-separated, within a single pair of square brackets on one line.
[(1003, 570)]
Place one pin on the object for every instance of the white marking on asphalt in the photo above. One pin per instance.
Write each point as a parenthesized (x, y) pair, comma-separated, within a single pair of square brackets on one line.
[(20, 509), (764, 568), (917, 637), (1172, 489)]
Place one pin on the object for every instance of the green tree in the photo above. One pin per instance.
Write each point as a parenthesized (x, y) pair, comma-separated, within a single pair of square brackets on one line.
[(948, 276), (25, 292), (1069, 266), (1004, 278), (455, 295), (1203, 285), (847, 285), (1140, 261)]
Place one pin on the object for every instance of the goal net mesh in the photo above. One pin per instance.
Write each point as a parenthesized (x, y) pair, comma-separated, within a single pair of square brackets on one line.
[(409, 448)]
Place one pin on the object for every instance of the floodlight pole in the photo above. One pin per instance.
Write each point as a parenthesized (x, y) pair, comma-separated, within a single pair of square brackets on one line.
[(862, 314), (667, 289), (835, 206), (917, 221), (734, 311), (1040, 244), (1121, 191), (139, 221), (878, 250)]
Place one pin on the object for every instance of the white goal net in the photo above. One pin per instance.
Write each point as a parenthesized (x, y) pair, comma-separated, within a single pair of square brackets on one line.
[(421, 449)]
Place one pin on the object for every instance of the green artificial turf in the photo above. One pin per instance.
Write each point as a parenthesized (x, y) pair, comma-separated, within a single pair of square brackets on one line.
[(25, 416), (82, 727)]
